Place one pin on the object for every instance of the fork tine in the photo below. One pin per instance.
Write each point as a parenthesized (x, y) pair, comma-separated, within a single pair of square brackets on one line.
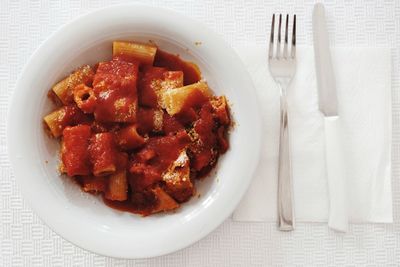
[(293, 52), (271, 38), (285, 46), (278, 47)]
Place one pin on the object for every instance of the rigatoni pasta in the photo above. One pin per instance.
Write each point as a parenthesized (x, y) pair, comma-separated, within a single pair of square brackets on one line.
[(175, 100), (117, 188), (114, 86), (144, 53), (177, 178), (128, 137), (103, 154), (62, 117), (64, 89), (54, 121), (74, 154), (138, 129), (84, 98), (93, 184), (165, 201)]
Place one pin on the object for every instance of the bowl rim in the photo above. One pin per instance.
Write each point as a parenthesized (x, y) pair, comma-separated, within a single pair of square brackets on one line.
[(12, 125)]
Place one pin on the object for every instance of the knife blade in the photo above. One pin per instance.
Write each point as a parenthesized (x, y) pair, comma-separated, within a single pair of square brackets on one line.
[(328, 105), (323, 63)]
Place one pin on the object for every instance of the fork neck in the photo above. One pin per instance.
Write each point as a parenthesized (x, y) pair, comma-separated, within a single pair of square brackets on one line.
[(283, 84)]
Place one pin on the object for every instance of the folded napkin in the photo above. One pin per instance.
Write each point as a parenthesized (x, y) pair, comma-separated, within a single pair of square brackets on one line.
[(363, 79)]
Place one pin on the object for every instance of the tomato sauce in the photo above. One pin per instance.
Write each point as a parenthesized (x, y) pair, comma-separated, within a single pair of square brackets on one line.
[(203, 148), (74, 153), (115, 89), (140, 203), (193, 103), (120, 141), (72, 116), (171, 124), (145, 120), (154, 159), (148, 86), (191, 71), (103, 154)]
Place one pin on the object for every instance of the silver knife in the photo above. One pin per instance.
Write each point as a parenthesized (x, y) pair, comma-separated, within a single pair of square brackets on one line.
[(328, 105)]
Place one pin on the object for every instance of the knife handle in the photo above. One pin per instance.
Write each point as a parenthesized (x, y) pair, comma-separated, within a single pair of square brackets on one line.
[(338, 214)]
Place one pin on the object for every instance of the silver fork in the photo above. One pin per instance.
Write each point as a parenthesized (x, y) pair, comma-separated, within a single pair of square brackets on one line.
[(282, 66)]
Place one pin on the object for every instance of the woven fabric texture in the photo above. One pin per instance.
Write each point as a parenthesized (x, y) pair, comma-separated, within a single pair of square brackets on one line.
[(26, 241)]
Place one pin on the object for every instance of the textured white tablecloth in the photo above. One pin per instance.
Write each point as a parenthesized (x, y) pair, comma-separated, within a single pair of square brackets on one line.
[(26, 241)]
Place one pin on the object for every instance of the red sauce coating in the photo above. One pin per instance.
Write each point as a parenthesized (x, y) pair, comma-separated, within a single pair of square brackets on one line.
[(203, 150), (93, 184), (222, 140), (130, 133), (139, 202), (163, 151), (75, 154), (191, 72), (122, 160), (145, 120), (171, 124), (128, 138), (84, 97), (149, 84), (73, 116), (103, 154), (114, 85), (103, 127), (192, 104)]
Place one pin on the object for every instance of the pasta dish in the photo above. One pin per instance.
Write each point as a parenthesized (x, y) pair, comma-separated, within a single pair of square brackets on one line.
[(139, 129)]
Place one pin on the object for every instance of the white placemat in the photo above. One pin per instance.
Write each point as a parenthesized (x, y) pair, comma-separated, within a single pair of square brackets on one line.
[(26, 241)]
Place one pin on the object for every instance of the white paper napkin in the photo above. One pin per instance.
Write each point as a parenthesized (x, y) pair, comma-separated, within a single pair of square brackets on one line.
[(363, 78)]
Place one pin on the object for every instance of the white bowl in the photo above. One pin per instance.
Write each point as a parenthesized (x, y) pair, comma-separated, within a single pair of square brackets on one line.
[(83, 219)]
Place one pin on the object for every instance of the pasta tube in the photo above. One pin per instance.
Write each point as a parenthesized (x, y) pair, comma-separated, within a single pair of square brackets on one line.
[(64, 89), (144, 53), (175, 100)]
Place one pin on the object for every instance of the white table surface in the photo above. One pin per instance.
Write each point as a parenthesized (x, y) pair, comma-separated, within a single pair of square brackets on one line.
[(26, 241)]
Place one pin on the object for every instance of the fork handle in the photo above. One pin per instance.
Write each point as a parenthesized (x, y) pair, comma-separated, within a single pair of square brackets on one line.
[(285, 186)]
